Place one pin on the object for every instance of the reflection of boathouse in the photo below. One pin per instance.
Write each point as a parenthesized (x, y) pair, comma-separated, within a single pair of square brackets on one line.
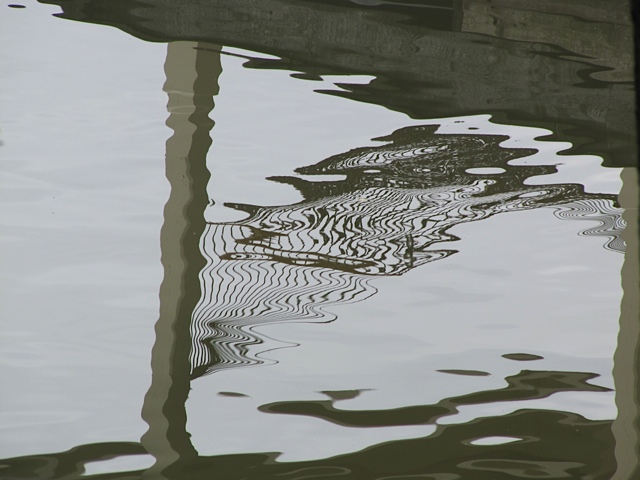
[(390, 213)]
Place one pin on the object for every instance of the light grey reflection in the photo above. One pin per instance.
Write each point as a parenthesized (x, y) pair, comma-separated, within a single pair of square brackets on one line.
[(626, 370)]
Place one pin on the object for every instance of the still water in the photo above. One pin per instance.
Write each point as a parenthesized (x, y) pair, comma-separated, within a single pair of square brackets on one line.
[(278, 239)]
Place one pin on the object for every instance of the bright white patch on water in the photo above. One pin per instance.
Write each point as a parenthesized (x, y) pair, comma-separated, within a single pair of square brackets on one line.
[(485, 170), (323, 178), (348, 79), (122, 464), (495, 440)]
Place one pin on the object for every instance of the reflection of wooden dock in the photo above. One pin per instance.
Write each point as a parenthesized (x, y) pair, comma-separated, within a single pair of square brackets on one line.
[(563, 65)]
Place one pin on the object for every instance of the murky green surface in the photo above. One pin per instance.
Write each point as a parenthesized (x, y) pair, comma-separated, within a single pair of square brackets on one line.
[(300, 239)]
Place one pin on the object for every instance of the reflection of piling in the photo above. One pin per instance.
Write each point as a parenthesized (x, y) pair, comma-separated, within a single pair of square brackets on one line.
[(192, 80), (626, 370)]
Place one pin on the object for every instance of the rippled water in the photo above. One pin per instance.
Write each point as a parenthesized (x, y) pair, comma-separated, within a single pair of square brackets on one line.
[(317, 240)]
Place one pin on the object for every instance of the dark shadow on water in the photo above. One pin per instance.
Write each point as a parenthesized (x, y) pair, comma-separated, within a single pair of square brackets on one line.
[(562, 65)]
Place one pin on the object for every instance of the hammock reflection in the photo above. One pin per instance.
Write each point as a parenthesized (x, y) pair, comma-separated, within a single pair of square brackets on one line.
[(391, 213)]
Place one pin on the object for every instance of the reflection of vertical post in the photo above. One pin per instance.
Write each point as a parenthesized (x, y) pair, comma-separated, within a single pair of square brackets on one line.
[(192, 81), (626, 370)]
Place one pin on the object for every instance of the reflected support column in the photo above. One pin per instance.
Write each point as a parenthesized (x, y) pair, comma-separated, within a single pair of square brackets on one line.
[(192, 72), (626, 370)]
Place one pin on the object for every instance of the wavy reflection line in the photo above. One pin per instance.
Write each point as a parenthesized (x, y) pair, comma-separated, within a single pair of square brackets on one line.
[(242, 290), (609, 218), (397, 202)]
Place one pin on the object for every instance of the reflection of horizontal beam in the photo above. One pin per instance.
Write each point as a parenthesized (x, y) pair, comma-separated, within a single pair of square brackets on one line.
[(422, 71)]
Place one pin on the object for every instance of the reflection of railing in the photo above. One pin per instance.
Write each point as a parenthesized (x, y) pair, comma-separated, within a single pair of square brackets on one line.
[(396, 202)]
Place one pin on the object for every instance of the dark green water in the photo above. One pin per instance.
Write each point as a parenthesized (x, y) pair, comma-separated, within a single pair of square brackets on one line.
[(374, 240)]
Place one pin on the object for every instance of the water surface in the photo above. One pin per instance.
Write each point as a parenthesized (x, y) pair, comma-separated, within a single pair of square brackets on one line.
[(296, 243)]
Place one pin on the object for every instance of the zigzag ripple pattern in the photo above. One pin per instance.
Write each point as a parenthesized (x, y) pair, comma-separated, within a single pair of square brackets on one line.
[(397, 202)]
